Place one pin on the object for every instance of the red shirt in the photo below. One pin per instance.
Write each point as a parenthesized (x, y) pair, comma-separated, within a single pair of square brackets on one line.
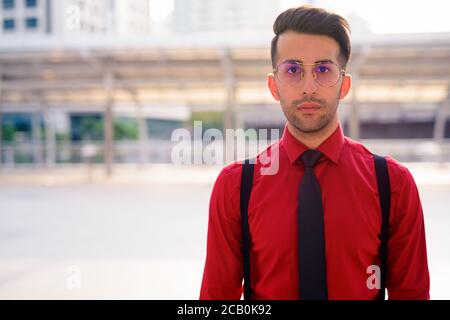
[(352, 223)]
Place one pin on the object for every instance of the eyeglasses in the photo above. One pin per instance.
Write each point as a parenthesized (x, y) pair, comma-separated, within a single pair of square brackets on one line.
[(326, 73)]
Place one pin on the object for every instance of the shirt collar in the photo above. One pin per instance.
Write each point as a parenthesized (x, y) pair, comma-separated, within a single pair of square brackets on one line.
[(331, 147)]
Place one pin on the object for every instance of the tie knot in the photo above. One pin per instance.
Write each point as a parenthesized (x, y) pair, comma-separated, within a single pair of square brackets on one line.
[(310, 157)]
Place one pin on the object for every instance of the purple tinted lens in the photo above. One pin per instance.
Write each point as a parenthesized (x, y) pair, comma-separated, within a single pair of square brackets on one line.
[(327, 73), (290, 72), (323, 68)]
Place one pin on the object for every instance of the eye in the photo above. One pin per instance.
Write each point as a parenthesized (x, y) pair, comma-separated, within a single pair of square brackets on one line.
[(293, 69), (322, 69)]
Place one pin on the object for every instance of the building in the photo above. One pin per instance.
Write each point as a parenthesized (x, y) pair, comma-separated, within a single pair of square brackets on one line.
[(220, 16), (25, 17), (64, 18), (401, 111), (132, 17), (51, 86)]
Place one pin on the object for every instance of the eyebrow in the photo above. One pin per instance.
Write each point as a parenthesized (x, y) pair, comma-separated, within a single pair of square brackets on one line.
[(301, 62)]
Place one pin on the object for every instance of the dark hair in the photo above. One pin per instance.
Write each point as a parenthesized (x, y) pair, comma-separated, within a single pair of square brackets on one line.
[(312, 20)]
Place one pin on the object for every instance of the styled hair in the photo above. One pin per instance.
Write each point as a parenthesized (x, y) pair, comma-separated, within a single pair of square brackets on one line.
[(316, 21)]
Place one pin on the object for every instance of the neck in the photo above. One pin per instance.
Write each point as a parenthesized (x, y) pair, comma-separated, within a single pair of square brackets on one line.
[(313, 139)]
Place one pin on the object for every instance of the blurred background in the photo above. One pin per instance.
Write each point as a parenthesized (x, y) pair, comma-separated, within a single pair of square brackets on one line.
[(92, 205)]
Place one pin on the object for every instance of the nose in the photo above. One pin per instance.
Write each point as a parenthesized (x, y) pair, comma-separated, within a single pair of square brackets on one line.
[(309, 82)]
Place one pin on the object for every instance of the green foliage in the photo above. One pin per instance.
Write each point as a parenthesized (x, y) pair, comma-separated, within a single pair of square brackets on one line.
[(210, 119), (91, 128), (8, 132), (126, 129)]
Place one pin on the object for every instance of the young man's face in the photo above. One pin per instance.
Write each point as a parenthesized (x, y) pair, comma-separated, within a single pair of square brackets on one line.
[(307, 105)]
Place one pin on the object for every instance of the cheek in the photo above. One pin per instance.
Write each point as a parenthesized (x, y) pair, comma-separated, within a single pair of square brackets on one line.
[(288, 93), (286, 98), (332, 97)]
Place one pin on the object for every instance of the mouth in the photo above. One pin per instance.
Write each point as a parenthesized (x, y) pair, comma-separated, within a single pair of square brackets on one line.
[(309, 107)]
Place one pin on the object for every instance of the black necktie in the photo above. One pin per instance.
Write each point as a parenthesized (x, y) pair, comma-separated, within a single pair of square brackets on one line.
[(311, 243)]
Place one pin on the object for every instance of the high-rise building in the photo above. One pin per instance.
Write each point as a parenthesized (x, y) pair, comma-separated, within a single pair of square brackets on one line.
[(74, 17), (132, 17), (70, 17), (24, 17), (232, 15)]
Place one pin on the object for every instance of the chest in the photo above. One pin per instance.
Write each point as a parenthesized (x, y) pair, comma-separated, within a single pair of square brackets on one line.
[(352, 216)]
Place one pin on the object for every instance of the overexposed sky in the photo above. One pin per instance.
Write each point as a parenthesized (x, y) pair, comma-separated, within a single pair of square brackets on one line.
[(160, 9), (392, 16), (383, 16)]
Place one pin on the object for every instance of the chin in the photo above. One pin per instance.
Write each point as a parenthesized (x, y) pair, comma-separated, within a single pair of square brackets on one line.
[(311, 126)]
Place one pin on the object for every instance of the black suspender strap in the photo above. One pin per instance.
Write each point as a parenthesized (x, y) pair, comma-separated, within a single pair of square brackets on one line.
[(384, 191), (246, 189)]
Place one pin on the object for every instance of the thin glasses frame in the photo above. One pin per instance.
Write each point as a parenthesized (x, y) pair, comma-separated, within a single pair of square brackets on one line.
[(342, 72)]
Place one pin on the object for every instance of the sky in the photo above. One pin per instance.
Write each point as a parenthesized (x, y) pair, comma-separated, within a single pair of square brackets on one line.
[(160, 9), (382, 16), (393, 16)]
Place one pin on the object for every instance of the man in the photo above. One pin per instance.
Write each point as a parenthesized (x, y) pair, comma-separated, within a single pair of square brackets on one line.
[(322, 176)]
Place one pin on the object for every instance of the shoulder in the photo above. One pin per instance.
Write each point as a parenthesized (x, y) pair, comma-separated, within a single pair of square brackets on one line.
[(226, 191), (357, 150), (230, 174), (399, 175), (266, 161)]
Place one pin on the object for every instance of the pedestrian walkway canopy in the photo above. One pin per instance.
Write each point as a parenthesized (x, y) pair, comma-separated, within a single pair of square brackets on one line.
[(212, 72)]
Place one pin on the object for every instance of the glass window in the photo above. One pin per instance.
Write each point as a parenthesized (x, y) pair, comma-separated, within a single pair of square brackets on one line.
[(31, 3), (9, 24), (8, 4), (31, 23)]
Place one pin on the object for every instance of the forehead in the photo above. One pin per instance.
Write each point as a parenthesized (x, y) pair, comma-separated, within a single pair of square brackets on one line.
[(306, 47)]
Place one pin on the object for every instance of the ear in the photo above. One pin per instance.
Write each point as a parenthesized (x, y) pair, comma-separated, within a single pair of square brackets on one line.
[(273, 86), (346, 85)]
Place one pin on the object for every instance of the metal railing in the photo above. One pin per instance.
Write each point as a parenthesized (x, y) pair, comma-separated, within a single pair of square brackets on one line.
[(28, 154)]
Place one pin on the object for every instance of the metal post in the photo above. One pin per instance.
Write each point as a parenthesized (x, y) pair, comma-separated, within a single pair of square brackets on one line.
[(230, 103), (50, 138), (230, 87), (355, 66), (36, 137), (439, 125), (1, 113), (354, 110), (1, 129), (108, 119), (143, 128)]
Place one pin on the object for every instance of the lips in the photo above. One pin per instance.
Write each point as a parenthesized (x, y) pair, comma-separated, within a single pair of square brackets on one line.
[(309, 107)]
